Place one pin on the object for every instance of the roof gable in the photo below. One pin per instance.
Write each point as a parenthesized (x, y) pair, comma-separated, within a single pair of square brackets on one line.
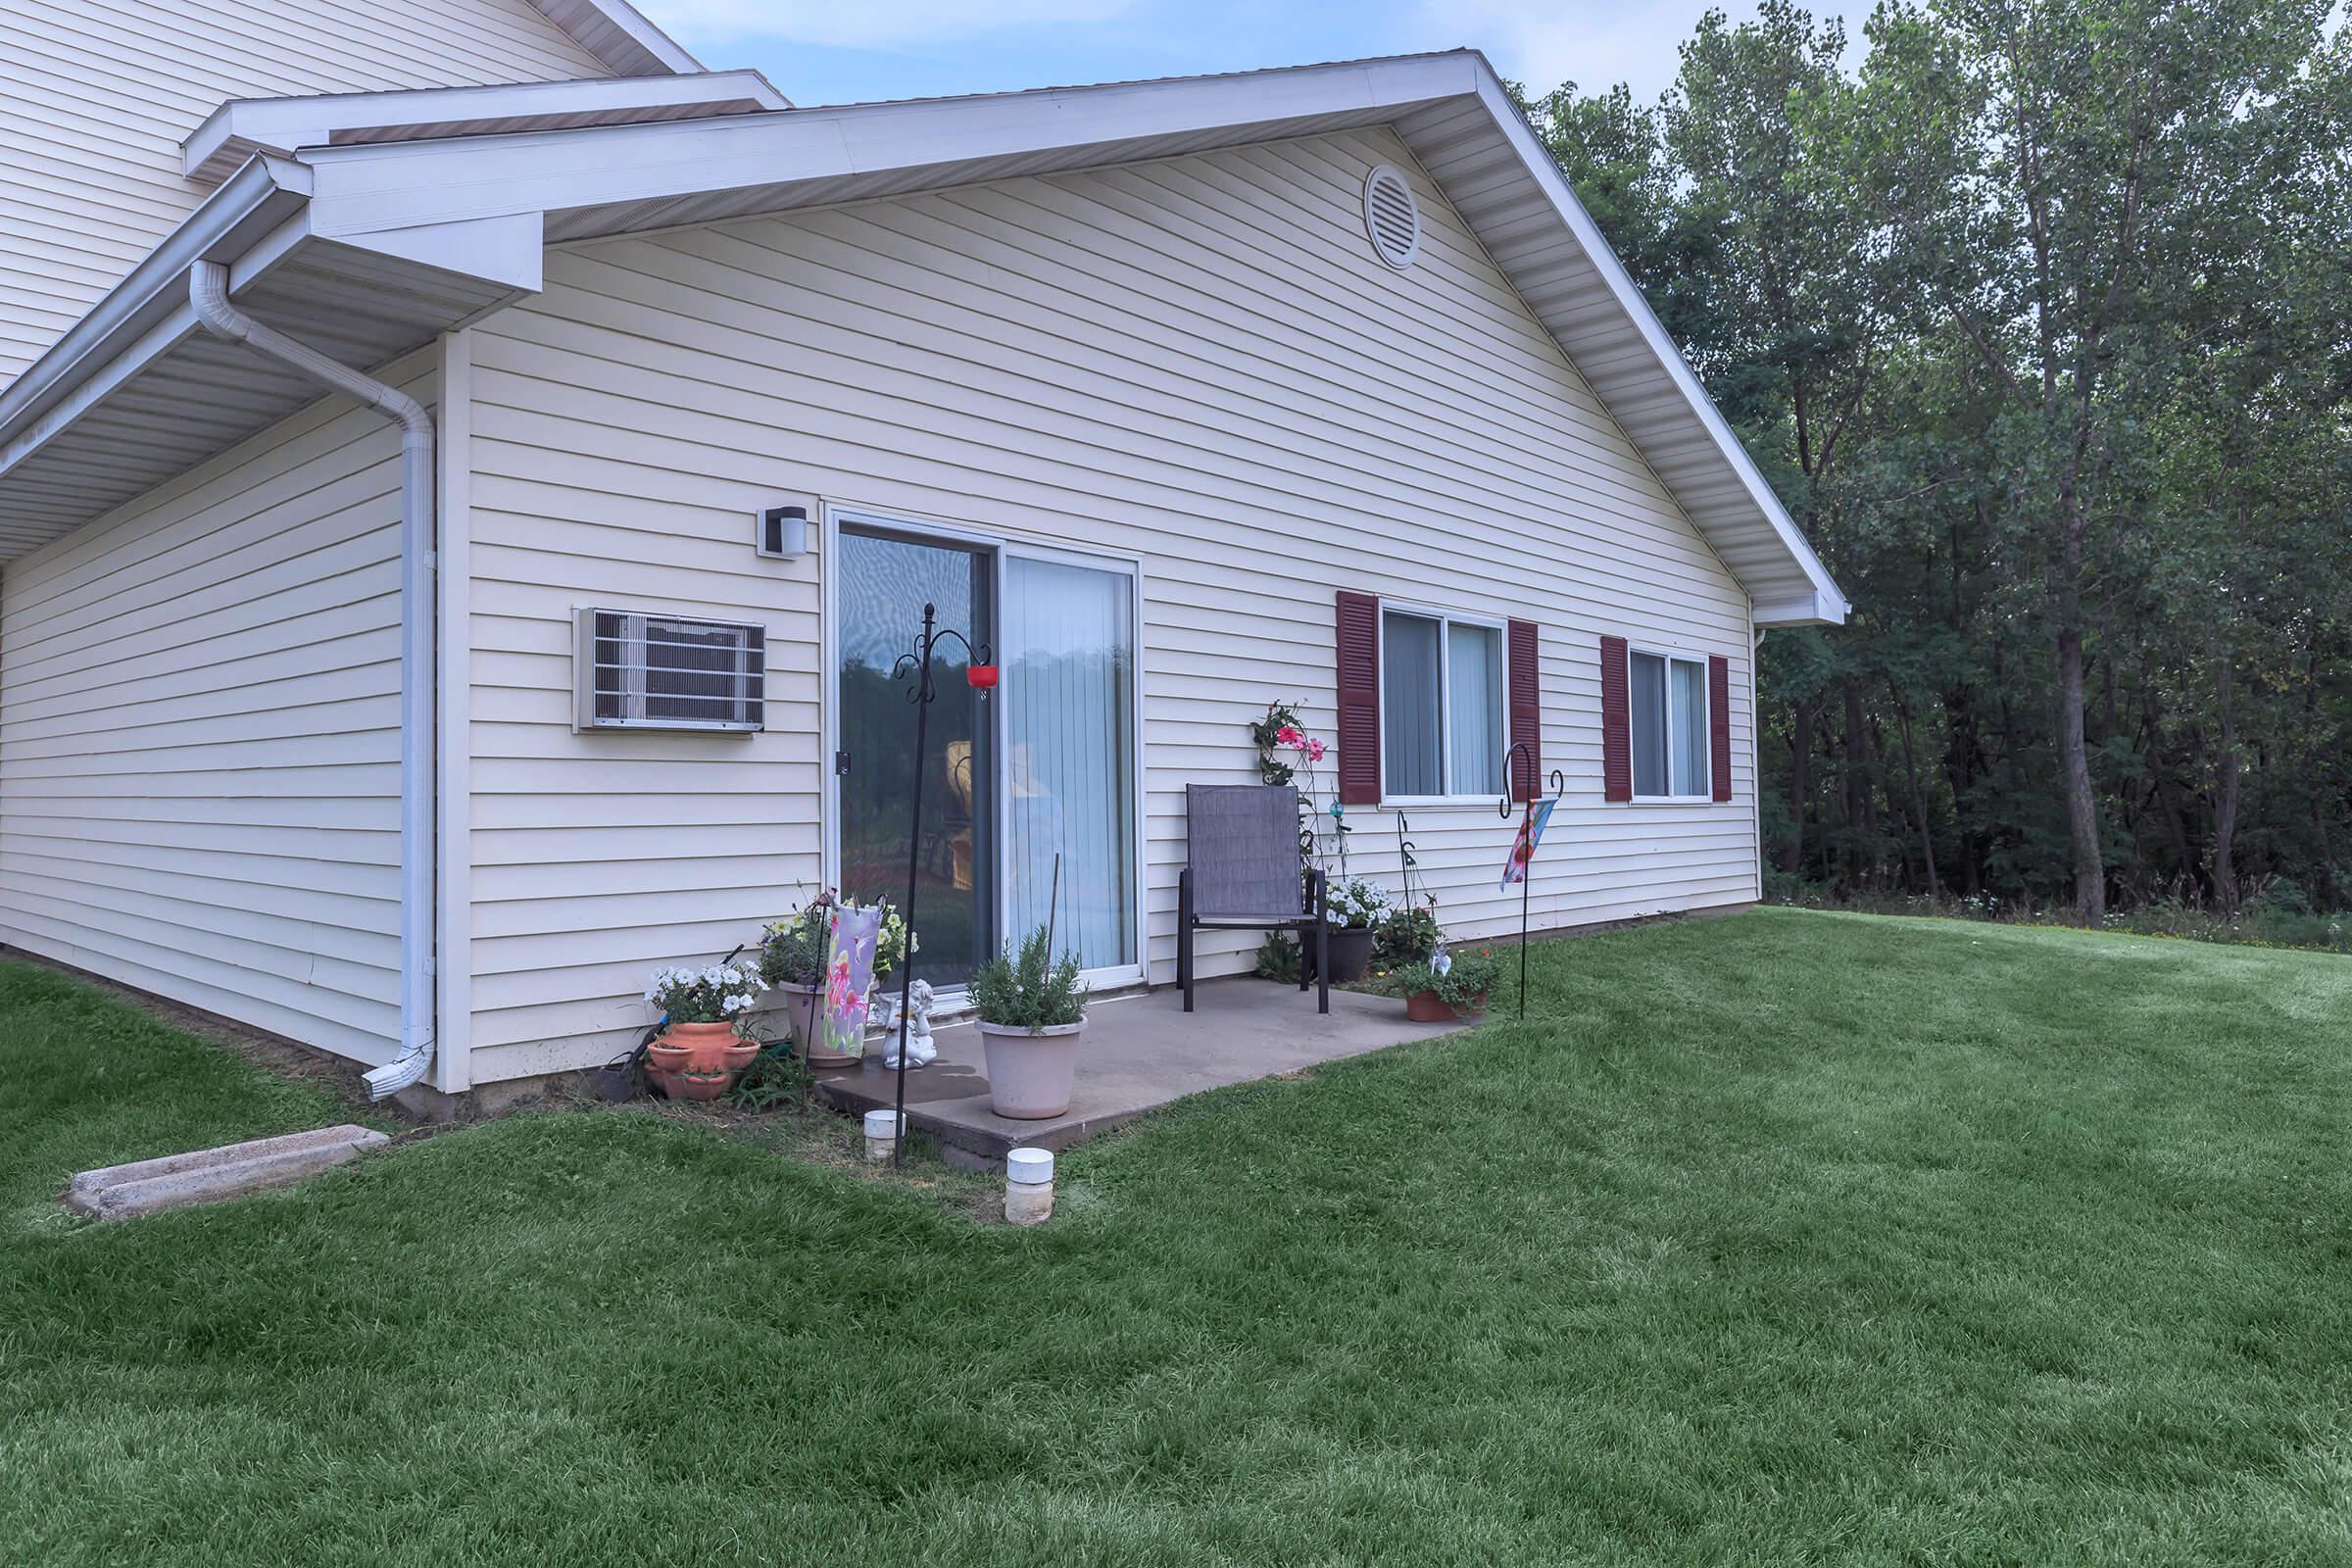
[(463, 207)]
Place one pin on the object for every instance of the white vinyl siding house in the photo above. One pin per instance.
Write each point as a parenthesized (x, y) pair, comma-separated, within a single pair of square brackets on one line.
[(95, 96), (1198, 365), (200, 735), (1173, 394)]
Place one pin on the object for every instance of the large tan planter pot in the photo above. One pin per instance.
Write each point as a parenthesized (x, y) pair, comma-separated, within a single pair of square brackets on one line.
[(1030, 1074), (804, 1009), (700, 1060)]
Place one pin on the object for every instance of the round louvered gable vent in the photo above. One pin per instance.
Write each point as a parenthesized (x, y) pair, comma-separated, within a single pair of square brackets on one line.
[(1392, 217)]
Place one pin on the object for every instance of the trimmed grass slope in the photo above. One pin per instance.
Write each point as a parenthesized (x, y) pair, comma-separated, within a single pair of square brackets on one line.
[(1796, 1238)]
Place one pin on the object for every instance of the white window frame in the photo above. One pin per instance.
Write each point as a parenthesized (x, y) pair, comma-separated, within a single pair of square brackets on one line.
[(1446, 619), (1706, 734)]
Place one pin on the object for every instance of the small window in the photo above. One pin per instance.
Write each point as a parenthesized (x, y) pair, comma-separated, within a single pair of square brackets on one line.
[(1669, 728), (642, 671), (1442, 693)]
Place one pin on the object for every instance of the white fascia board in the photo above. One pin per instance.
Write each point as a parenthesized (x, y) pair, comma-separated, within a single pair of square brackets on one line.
[(252, 222), (404, 184), (509, 249), (1829, 601), (1808, 610), (243, 126), (617, 33)]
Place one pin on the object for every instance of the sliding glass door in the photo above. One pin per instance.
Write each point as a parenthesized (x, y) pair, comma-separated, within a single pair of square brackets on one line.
[(885, 580), (1070, 757), (1030, 793)]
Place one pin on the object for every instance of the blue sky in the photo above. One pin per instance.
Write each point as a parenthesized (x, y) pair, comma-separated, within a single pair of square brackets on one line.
[(849, 51)]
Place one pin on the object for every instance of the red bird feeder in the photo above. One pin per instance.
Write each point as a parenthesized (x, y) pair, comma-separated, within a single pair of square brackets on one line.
[(982, 676)]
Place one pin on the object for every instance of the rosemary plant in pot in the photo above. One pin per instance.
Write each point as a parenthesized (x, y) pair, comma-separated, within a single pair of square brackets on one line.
[(1030, 1008), (706, 1015)]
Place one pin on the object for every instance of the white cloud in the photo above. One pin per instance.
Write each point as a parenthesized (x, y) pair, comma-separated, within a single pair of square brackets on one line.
[(870, 23)]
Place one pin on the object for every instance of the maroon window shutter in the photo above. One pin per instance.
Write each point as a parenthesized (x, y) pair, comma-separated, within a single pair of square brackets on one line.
[(1616, 726), (1719, 724), (1358, 647), (1527, 714)]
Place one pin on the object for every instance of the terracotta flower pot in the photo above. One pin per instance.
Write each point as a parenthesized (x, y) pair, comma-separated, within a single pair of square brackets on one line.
[(1426, 1007), (1030, 1076), (699, 1060)]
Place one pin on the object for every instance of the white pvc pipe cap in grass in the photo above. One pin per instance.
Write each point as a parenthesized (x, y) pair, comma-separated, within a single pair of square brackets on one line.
[(1029, 1167), (879, 1123)]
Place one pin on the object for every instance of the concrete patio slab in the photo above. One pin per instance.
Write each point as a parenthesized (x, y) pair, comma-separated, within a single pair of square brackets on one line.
[(1142, 1051)]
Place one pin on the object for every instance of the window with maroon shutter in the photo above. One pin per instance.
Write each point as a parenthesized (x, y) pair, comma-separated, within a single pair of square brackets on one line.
[(1616, 722), (1358, 649), (1719, 724), (1526, 779)]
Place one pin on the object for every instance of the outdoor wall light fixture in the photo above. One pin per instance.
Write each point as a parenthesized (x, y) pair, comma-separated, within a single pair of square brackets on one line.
[(781, 533)]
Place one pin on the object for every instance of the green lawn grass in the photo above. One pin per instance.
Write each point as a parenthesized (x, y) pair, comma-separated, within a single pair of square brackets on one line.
[(1790, 1237)]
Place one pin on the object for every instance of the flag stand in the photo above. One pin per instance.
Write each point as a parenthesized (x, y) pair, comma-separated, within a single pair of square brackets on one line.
[(1521, 757)]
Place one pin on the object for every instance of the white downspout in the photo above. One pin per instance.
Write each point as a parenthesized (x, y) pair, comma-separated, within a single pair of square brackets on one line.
[(208, 293)]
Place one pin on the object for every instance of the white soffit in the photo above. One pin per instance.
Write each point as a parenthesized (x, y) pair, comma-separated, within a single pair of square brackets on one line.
[(617, 33), (243, 126)]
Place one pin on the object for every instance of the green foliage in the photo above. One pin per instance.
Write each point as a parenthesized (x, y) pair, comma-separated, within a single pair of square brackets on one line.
[(1027, 989), (1407, 937), (1278, 957), (2039, 321), (792, 951), (1464, 983), (776, 1080)]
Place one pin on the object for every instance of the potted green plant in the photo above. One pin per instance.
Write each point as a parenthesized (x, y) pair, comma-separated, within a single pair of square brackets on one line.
[(1358, 907), (706, 1017), (1030, 1008), (1406, 937), (1449, 987)]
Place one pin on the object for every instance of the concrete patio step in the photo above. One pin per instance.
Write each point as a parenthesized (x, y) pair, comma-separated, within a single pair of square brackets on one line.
[(208, 1175), (1141, 1052)]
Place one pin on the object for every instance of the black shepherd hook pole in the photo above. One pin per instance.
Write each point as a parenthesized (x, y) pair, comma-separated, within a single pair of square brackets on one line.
[(981, 675), (1527, 873)]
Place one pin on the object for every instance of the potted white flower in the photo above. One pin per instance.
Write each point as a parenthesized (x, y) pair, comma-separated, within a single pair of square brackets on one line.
[(706, 1013), (1030, 1010), (1356, 906)]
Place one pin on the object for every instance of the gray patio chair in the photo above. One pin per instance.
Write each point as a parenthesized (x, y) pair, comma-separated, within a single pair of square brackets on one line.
[(1244, 872)]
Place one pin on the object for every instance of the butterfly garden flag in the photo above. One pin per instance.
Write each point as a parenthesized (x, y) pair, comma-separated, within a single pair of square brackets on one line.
[(1531, 834), (850, 979)]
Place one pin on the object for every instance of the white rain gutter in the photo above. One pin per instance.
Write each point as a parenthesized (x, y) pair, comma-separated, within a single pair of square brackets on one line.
[(208, 294)]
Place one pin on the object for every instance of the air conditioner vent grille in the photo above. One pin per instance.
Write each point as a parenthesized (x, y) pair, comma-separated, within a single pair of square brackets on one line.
[(638, 670)]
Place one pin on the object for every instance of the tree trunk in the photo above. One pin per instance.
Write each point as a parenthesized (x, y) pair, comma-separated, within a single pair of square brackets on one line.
[(1800, 785), (1919, 799), (2224, 795), (2074, 763)]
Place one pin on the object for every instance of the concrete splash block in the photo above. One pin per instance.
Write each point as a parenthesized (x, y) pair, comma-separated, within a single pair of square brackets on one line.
[(208, 1175)]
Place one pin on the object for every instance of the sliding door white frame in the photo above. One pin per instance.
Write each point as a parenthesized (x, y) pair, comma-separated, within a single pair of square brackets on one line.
[(998, 548)]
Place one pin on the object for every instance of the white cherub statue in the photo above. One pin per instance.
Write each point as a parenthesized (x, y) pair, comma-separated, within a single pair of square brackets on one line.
[(920, 1049)]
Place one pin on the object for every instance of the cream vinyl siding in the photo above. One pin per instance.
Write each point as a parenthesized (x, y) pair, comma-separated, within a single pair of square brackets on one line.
[(97, 94), (1199, 364), (200, 742)]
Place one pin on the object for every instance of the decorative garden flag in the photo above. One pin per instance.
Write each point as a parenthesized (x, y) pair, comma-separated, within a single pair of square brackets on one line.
[(1531, 833), (850, 979)]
